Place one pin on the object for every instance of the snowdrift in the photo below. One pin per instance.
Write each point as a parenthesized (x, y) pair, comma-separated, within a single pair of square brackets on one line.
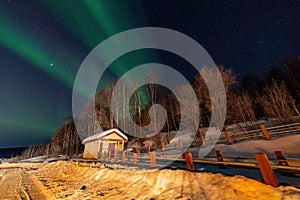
[(73, 180)]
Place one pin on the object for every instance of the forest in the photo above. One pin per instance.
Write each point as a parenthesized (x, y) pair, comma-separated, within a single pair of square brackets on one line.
[(271, 96)]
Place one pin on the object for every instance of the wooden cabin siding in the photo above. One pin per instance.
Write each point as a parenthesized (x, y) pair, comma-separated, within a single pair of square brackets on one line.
[(92, 147)]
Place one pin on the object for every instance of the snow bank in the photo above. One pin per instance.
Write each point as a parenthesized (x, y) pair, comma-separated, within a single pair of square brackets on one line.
[(185, 136), (86, 181), (289, 145), (40, 159)]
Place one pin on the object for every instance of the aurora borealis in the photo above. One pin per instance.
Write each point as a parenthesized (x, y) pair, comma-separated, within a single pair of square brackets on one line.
[(43, 43)]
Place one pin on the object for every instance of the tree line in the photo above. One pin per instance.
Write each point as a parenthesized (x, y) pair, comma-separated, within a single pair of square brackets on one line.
[(274, 95)]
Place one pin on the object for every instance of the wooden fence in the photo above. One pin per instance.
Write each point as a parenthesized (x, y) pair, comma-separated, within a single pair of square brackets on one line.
[(234, 135), (260, 161)]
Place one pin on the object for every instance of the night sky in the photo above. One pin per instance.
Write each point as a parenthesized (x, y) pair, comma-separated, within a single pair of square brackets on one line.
[(43, 43)]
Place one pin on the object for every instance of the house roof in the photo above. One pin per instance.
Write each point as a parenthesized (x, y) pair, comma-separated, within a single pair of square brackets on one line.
[(103, 134)]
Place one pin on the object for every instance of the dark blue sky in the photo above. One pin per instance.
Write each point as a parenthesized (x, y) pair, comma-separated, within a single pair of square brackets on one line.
[(43, 44)]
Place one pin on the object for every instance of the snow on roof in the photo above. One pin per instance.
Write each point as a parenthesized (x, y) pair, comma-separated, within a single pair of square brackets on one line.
[(103, 134)]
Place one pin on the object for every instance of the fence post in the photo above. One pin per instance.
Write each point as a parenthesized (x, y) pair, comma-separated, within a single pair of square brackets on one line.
[(163, 146), (264, 130), (180, 143), (227, 136), (123, 157), (220, 155), (115, 156), (280, 156), (152, 159), (134, 158), (109, 155), (164, 155), (266, 169), (220, 159), (189, 161)]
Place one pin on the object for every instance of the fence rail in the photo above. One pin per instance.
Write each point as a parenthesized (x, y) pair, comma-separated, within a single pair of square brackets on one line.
[(233, 135), (260, 161)]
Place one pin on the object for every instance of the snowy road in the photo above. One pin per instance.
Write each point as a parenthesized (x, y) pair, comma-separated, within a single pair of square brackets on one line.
[(16, 183)]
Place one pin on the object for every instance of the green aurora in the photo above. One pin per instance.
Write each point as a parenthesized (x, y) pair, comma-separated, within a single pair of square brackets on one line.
[(90, 27)]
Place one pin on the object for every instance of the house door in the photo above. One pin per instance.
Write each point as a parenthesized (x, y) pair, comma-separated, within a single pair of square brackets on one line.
[(111, 147)]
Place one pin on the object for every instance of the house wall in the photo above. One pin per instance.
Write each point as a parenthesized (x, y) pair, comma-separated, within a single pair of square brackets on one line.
[(92, 148), (89, 151)]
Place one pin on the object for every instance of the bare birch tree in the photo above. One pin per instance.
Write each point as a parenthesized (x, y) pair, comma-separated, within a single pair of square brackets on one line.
[(277, 102)]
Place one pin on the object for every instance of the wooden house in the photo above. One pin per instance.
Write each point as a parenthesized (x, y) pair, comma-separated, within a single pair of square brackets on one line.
[(100, 144)]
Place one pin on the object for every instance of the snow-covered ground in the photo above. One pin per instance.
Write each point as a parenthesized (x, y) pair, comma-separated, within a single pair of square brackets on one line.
[(3, 160), (40, 159), (85, 181), (290, 145), (73, 180)]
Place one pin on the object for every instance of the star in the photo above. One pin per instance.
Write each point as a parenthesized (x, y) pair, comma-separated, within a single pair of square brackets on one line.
[(51, 64)]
